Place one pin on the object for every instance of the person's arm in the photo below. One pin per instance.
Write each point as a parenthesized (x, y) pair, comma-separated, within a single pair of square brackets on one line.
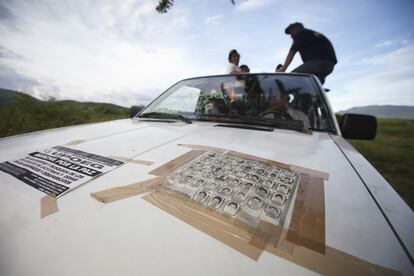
[(229, 68), (236, 72), (288, 60), (232, 69)]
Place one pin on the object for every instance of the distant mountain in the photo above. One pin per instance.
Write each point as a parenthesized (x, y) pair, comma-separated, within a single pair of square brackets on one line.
[(10, 96), (21, 113), (7, 96), (383, 111)]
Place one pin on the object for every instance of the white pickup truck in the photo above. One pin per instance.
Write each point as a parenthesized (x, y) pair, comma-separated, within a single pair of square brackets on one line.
[(220, 175)]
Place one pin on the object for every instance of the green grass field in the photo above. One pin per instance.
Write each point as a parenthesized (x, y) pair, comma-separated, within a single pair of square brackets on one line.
[(392, 154), (26, 114)]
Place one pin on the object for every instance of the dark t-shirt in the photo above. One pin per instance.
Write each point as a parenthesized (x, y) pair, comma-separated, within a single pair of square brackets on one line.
[(313, 45)]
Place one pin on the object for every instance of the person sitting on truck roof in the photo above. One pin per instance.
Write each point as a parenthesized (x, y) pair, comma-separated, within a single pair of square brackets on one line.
[(233, 66), (278, 67), (244, 68)]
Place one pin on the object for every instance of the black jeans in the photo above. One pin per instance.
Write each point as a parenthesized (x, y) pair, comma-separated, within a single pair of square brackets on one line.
[(320, 68)]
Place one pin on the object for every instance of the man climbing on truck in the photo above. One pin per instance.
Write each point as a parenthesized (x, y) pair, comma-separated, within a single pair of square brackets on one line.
[(316, 51)]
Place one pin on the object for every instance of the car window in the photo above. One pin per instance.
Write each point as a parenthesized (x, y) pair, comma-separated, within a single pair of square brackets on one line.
[(183, 101), (263, 97)]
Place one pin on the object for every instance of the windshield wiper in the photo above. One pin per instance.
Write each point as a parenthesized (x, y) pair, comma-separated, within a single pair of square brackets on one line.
[(272, 122), (164, 115)]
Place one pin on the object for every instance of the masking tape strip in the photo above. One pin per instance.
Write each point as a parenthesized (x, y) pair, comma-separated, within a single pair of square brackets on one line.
[(134, 161), (251, 241), (265, 233), (177, 162), (205, 148), (333, 262), (118, 193), (229, 231), (48, 206), (301, 244), (185, 204), (315, 173), (239, 236), (307, 224)]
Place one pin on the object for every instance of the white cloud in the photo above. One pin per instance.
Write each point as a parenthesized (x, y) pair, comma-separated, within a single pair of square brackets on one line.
[(390, 82), (213, 20), (375, 90), (400, 57), (384, 44), (399, 41), (121, 50), (250, 5)]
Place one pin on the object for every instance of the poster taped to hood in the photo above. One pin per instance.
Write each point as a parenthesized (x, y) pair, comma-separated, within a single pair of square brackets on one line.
[(56, 171)]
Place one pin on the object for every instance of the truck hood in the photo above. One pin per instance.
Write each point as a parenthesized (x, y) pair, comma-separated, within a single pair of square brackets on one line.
[(131, 236)]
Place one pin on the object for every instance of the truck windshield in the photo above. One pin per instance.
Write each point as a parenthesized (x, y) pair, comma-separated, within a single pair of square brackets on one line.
[(290, 101)]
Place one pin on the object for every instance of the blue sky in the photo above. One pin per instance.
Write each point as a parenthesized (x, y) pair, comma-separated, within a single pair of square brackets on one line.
[(124, 52)]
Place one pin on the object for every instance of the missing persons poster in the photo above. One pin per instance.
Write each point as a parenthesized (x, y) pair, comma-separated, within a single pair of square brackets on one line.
[(58, 170)]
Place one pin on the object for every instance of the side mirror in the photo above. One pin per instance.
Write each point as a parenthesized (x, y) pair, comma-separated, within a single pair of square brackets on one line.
[(134, 110), (358, 126)]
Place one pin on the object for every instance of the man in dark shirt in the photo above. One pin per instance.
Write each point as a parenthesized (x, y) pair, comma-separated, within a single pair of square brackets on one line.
[(315, 49)]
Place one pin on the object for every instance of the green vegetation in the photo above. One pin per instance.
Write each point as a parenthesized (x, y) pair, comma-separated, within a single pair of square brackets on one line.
[(26, 114), (392, 154)]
